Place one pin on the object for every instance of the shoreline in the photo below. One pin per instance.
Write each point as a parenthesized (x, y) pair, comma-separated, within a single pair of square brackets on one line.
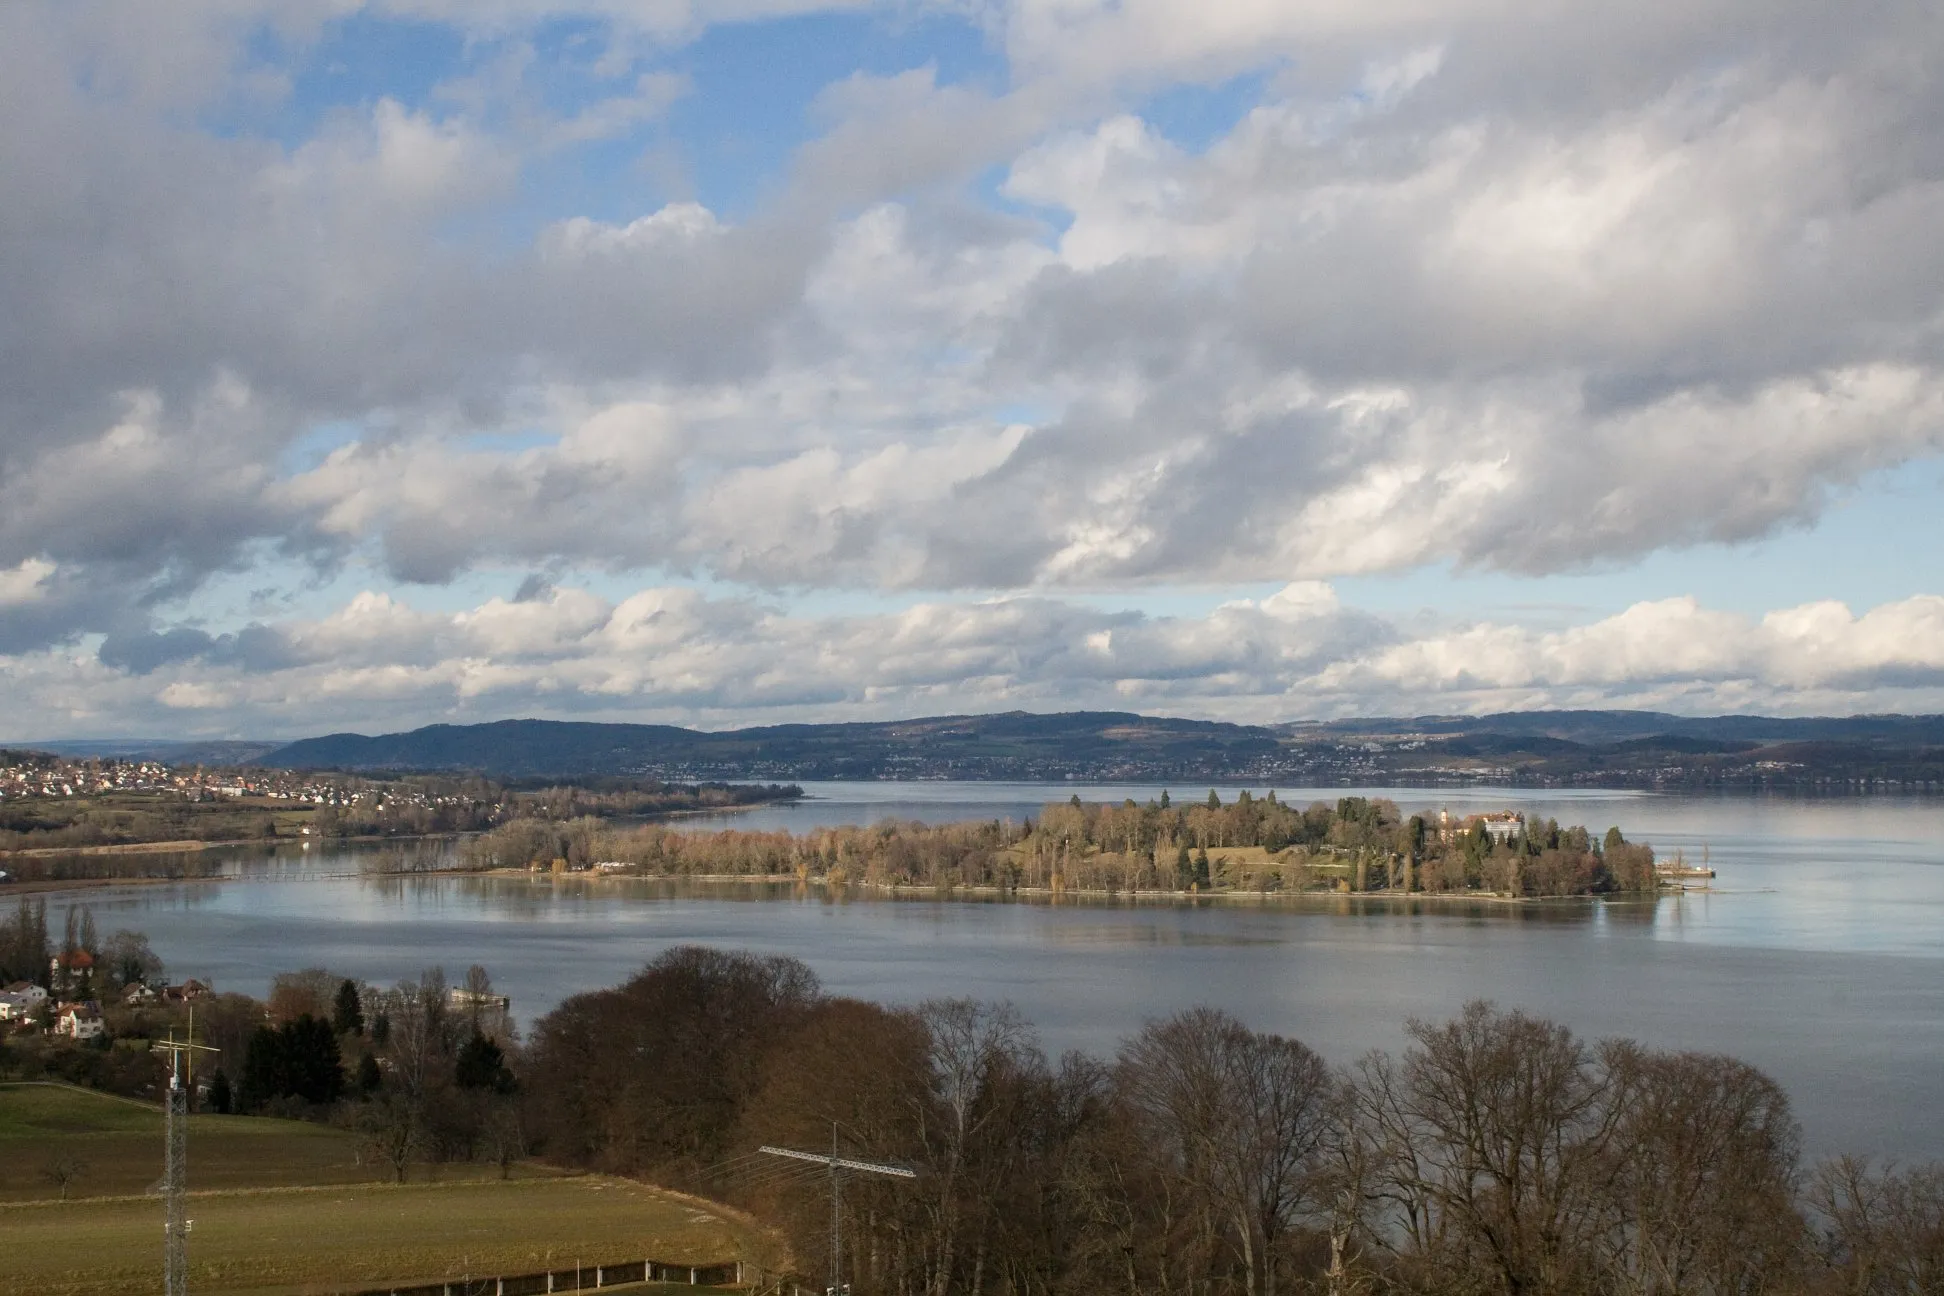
[(986, 893), (196, 845), (911, 891), (44, 886), (186, 847)]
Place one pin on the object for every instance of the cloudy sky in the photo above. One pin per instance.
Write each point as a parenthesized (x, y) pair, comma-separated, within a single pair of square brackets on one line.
[(730, 361)]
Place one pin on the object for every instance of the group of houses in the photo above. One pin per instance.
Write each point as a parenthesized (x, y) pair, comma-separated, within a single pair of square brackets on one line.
[(24, 1006), (71, 1009)]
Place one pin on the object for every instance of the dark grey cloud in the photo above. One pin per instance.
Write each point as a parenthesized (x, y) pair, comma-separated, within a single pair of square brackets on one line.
[(255, 648)]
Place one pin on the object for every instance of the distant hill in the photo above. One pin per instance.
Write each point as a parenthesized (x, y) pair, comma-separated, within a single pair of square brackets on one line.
[(1592, 728), (212, 752), (1608, 727), (1559, 748), (1015, 744)]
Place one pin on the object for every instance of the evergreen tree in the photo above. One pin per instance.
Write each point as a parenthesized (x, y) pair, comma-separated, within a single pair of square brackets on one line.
[(347, 1015), (370, 1079), (482, 1065), (1164, 799), (220, 1097), (1201, 865), (1184, 867), (1214, 802), (298, 1060)]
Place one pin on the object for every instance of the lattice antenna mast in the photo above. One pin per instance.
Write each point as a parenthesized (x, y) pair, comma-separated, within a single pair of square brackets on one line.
[(838, 1165), (175, 1169)]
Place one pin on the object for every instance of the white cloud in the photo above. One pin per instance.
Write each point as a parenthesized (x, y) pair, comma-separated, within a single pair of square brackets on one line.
[(25, 583), (1518, 286), (673, 654)]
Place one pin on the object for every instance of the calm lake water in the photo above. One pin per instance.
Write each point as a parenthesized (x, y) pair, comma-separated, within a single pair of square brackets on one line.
[(1820, 957)]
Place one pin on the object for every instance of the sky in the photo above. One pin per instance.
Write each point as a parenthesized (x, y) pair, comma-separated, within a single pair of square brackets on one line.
[(725, 362)]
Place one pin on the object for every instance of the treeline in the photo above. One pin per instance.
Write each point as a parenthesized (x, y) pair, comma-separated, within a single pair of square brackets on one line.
[(1249, 844), (124, 818), (420, 1069), (1497, 1153), (623, 797), (435, 806), (114, 962)]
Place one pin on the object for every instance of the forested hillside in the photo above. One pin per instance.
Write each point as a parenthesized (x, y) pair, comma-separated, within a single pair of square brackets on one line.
[(1573, 748)]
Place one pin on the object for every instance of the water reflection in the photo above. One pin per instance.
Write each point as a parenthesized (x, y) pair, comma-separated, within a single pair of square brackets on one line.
[(1819, 958)]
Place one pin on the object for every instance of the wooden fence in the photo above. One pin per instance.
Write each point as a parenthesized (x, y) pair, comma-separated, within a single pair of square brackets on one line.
[(580, 1278)]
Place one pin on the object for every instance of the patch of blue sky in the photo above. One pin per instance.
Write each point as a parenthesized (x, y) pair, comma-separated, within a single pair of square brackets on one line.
[(1052, 222), (755, 86), (1031, 413), (276, 589), (1185, 602), (728, 143), (354, 62), (1196, 117), (273, 588), (316, 445)]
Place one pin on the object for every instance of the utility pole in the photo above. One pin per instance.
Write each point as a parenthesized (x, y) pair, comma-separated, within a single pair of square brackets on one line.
[(175, 1166), (838, 1164)]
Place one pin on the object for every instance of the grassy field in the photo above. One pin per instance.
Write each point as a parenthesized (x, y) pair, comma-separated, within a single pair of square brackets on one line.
[(282, 1208), (300, 1240), (117, 1145)]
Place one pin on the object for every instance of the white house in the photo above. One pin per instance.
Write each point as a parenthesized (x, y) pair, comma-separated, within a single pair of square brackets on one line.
[(1506, 827), (81, 1021), (21, 1000)]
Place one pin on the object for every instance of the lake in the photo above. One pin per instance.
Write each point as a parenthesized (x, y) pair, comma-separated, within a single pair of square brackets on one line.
[(1820, 957)]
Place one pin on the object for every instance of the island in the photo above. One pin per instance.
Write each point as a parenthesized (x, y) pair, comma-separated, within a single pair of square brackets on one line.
[(1248, 845)]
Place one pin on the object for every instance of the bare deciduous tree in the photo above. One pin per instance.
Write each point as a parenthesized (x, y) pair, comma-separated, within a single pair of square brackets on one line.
[(63, 1171), (1881, 1232), (1242, 1121), (1495, 1136), (1702, 1198), (392, 1130)]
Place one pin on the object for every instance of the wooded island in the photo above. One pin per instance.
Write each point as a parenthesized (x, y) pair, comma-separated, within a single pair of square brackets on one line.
[(1247, 845)]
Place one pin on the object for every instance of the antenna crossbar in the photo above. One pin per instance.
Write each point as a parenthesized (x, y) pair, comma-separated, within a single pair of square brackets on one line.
[(837, 1164), (844, 1163)]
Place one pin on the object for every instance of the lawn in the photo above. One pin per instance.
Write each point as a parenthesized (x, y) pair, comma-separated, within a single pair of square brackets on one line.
[(303, 1240), (283, 1208), (116, 1146)]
